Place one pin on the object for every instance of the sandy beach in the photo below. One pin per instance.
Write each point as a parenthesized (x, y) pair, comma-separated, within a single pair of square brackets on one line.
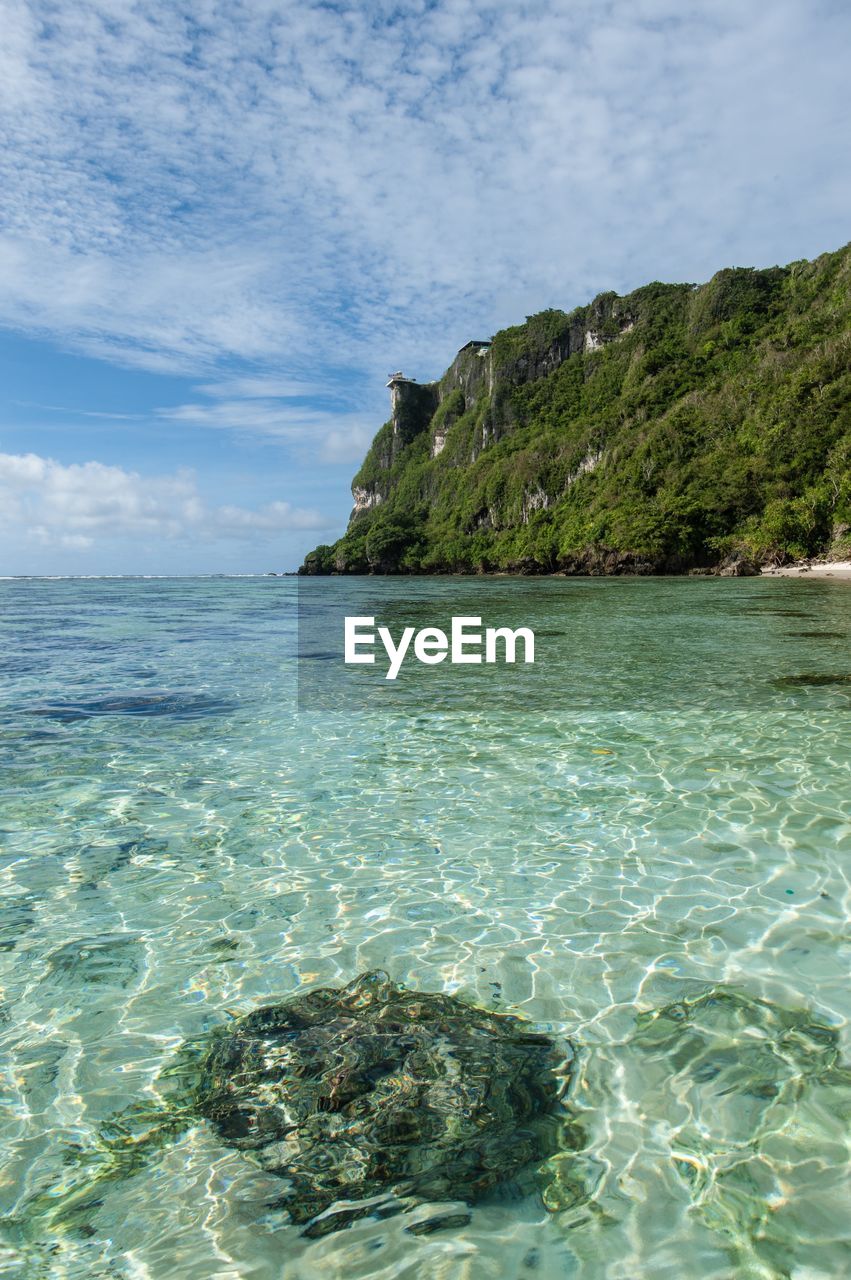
[(818, 569)]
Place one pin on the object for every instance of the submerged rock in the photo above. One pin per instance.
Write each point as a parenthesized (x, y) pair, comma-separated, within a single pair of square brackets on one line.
[(371, 1099), (365, 1099), (347, 1093), (177, 704), (818, 635), (811, 679)]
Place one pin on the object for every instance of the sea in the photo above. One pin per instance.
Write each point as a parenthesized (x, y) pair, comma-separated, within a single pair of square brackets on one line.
[(638, 844)]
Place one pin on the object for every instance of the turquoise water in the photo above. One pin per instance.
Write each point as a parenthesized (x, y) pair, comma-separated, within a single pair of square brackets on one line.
[(641, 843)]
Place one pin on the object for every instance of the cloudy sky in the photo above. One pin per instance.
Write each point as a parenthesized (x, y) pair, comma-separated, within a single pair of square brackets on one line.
[(224, 222)]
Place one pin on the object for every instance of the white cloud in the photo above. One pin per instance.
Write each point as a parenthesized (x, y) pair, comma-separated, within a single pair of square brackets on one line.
[(69, 411), (262, 386), (77, 505), (360, 185), (326, 434)]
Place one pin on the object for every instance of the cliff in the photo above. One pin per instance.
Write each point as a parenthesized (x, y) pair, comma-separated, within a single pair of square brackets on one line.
[(678, 427)]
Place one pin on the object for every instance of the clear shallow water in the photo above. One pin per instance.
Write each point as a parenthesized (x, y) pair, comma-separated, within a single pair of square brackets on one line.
[(645, 817)]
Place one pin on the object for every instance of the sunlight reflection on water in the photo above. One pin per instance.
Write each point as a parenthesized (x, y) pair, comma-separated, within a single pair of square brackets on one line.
[(662, 813)]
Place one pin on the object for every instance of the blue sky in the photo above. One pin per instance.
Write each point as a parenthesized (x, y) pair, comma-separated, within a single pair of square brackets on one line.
[(224, 223)]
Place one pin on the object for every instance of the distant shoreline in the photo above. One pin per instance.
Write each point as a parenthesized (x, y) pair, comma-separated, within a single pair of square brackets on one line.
[(838, 569)]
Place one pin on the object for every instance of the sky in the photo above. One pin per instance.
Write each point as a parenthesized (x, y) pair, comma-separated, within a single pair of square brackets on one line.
[(223, 223)]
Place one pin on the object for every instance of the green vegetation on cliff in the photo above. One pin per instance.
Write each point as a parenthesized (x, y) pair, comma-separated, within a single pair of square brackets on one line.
[(676, 427)]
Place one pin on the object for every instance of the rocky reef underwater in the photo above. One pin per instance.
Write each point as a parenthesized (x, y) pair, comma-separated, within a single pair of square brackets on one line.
[(372, 1099)]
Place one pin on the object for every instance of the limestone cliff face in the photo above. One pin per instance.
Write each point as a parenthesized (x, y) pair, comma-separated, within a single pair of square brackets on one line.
[(482, 375), (365, 499), (635, 434), (471, 408), (412, 405)]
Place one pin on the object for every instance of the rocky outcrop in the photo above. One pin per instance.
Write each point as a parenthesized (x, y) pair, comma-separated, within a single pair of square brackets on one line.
[(738, 565), (534, 500), (369, 1089), (471, 373), (412, 406), (365, 499)]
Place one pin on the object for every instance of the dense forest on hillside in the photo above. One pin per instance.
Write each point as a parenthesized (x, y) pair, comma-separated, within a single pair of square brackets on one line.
[(678, 427)]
